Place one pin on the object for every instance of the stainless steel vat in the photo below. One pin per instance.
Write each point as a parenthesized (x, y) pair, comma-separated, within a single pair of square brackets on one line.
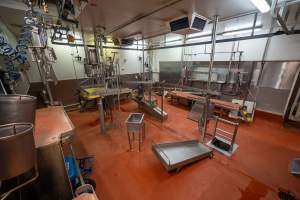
[(17, 149), (17, 108)]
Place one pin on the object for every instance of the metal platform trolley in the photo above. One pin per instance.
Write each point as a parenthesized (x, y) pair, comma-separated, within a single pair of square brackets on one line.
[(135, 124), (175, 155)]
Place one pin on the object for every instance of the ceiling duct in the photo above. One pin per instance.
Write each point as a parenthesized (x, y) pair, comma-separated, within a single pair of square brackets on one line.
[(116, 41), (123, 41), (127, 42), (188, 24)]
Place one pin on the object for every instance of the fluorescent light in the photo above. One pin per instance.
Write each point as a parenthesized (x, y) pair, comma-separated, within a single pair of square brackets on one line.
[(240, 32), (198, 39), (261, 5), (174, 42), (241, 26), (198, 34)]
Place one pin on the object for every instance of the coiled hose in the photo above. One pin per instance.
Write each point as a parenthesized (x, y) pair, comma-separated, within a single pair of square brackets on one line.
[(19, 54), (5, 48), (22, 46), (10, 68), (9, 54)]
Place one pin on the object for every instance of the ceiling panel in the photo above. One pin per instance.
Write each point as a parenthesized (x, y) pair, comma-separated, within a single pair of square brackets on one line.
[(113, 13)]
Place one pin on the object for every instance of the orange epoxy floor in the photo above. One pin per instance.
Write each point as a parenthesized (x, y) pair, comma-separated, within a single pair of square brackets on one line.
[(255, 171)]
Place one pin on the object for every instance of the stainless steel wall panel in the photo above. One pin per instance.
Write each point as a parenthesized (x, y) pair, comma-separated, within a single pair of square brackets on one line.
[(170, 71), (279, 75)]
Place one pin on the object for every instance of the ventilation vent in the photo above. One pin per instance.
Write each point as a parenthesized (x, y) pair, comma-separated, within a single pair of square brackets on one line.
[(188, 24), (127, 42), (116, 41), (198, 23), (179, 24)]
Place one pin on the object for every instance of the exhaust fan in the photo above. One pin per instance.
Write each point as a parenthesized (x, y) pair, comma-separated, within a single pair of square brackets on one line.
[(123, 41), (188, 24)]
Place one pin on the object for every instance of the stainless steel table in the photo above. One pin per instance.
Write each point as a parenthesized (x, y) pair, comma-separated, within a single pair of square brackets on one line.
[(53, 129)]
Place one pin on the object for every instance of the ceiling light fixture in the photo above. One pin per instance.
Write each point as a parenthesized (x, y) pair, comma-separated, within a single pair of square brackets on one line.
[(262, 5), (174, 42), (242, 26), (240, 32), (198, 39), (198, 34)]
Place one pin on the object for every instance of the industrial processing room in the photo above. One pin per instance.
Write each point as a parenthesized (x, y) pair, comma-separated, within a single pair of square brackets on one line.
[(149, 99)]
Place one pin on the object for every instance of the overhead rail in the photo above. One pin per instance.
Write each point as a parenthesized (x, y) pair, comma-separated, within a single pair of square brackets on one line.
[(296, 32)]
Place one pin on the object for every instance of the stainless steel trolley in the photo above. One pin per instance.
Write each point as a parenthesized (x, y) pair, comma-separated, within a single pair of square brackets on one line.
[(175, 155)]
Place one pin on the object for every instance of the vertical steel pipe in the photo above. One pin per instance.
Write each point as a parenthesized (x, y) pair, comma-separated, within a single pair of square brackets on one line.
[(254, 24), (162, 104), (212, 57), (85, 47), (143, 60), (213, 47), (265, 53)]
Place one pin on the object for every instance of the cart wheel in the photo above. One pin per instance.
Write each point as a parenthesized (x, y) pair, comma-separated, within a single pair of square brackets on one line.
[(81, 109), (211, 155), (178, 169), (90, 181)]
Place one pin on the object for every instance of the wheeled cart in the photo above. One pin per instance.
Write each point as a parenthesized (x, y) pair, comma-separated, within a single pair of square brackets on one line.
[(175, 155)]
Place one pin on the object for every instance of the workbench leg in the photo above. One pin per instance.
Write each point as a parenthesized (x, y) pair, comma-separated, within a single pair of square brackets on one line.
[(129, 140), (101, 115), (133, 136), (140, 140), (144, 132)]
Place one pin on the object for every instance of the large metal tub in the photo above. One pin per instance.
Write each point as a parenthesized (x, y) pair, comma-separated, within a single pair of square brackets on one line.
[(17, 149), (17, 108)]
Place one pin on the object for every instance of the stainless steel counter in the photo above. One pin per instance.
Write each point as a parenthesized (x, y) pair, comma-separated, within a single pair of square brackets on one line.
[(53, 128)]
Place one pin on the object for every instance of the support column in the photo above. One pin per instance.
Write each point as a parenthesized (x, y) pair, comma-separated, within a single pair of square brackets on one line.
[(143, 60)]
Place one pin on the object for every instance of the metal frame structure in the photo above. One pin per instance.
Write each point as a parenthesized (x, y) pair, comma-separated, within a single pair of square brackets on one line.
[(227, 136)]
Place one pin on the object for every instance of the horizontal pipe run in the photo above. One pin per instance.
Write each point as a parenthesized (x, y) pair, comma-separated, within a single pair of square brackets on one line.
[(227, 40), (191, 44)]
